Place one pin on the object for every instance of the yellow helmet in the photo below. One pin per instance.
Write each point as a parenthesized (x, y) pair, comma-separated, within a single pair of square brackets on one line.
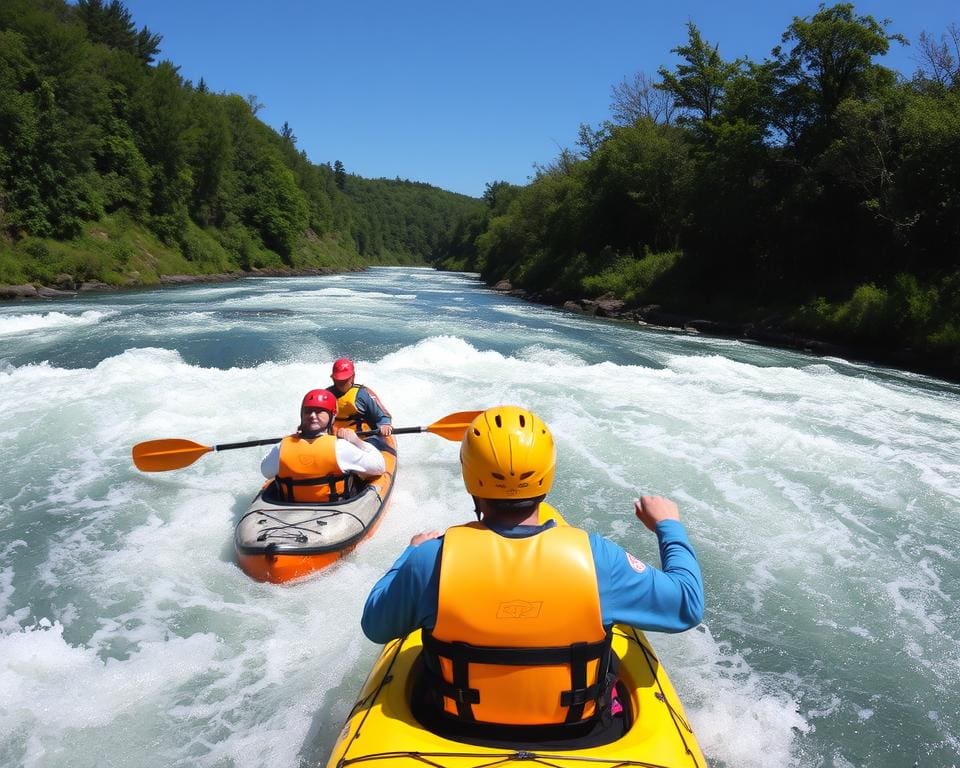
[(507, 453)]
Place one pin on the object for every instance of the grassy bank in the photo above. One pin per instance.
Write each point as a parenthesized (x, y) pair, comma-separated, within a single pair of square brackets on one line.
[(118, 251)]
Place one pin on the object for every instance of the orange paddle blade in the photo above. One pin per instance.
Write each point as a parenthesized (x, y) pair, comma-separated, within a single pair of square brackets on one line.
[(163, 455), (453, 426)]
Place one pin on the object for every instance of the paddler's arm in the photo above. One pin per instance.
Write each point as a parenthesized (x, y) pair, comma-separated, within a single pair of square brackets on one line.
[(405, 597), (356, 455), (668, 599), (270, 465), (373, 412)]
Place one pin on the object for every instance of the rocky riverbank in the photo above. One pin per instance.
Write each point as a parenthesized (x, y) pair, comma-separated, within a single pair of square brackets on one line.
[(767, 332)]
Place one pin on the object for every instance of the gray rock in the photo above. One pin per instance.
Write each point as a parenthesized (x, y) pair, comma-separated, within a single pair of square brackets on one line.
[(25, 291), (610, 307), (44, 292), (95, 285)]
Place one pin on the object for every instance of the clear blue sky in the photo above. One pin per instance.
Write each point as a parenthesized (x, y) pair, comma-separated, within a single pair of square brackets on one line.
[(459, 94)]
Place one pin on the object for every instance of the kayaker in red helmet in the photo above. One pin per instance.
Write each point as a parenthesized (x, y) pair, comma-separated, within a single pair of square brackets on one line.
[(314, 464), (516, 610), (358, 406)]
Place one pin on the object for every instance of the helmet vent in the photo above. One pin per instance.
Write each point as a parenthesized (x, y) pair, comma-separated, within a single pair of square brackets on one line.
[(498, 420), (525, 475), (476, 432), (498, 476), (523, 421)]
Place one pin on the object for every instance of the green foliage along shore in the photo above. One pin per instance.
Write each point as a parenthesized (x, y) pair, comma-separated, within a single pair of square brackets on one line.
[(114, 168), (816, 191)]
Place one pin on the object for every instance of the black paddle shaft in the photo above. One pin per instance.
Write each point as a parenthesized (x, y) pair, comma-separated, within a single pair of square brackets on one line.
[(397, 431), (248, 444)]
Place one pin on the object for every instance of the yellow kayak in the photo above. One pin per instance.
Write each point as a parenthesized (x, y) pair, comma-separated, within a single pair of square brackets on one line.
[(382, 730)]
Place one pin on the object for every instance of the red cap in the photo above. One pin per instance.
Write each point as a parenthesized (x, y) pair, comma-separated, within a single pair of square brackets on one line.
[(342, 369), (320, 398)]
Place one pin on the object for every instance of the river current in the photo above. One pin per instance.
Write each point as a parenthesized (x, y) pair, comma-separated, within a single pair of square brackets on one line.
[(822, 497)]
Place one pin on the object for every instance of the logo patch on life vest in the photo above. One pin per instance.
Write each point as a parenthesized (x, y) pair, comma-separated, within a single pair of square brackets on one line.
[(637, 565), (519, 609)]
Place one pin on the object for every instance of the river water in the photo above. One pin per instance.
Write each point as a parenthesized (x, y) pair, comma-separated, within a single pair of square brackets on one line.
[(823, 499)]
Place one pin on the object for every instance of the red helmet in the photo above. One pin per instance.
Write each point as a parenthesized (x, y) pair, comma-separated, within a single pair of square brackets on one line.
[(322, 399), (342, 369)]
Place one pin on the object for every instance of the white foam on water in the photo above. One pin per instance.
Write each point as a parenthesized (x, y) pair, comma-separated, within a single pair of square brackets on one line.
[(36, 321), (823, 508), (318, 298), (741, 717), (57, 692)]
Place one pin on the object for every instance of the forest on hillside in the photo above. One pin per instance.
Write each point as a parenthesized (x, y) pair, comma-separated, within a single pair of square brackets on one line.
[(815, 191), (115, 168)]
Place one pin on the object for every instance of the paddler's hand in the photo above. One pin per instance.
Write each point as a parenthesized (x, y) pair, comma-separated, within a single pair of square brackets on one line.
[(650, 510), (350, 436), (386, 430), (417, 540)]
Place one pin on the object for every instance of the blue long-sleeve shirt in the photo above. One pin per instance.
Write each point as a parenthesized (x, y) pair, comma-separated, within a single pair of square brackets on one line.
[(669, 599)]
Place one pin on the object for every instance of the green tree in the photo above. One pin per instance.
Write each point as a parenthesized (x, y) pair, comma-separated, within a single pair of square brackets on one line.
[(160, 118), (697, 84), (112, 24), (829, 58), (638, 182), (275, 205), (209, 154)]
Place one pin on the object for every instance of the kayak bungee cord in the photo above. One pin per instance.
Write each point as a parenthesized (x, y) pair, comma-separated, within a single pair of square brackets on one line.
[(494, 759), (387, 677), (280, 531), (654, 663), (499, 759)]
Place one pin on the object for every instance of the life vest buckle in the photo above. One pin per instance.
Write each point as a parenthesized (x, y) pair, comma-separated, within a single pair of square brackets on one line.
[(467, 696), (578, 696)]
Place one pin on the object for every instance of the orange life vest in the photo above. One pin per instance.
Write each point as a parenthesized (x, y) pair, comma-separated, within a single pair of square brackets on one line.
[(519, 638), (309, 469)]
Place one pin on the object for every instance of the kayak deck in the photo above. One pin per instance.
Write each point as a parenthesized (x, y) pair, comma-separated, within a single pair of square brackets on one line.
[(381, 729)]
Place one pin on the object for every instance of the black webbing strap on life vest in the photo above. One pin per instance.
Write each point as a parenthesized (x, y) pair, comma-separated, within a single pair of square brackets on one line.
[(340, 486), (462, 655)]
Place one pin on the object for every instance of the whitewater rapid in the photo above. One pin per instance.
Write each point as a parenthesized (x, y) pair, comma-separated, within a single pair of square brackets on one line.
[(822, 498)]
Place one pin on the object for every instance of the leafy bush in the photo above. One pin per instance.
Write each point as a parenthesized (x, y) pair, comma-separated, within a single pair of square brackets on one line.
[(868, 315), (633, 279)]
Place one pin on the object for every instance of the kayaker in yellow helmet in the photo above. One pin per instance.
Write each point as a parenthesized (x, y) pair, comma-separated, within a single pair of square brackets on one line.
[(516, 610), (313, 464), (358, 406)]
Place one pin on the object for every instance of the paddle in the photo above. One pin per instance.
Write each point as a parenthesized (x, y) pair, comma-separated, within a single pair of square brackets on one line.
[(176, 453), (450, 427)]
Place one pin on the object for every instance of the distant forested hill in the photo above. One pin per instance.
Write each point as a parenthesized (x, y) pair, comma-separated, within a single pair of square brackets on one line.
[(816, 191), (115, 168)]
